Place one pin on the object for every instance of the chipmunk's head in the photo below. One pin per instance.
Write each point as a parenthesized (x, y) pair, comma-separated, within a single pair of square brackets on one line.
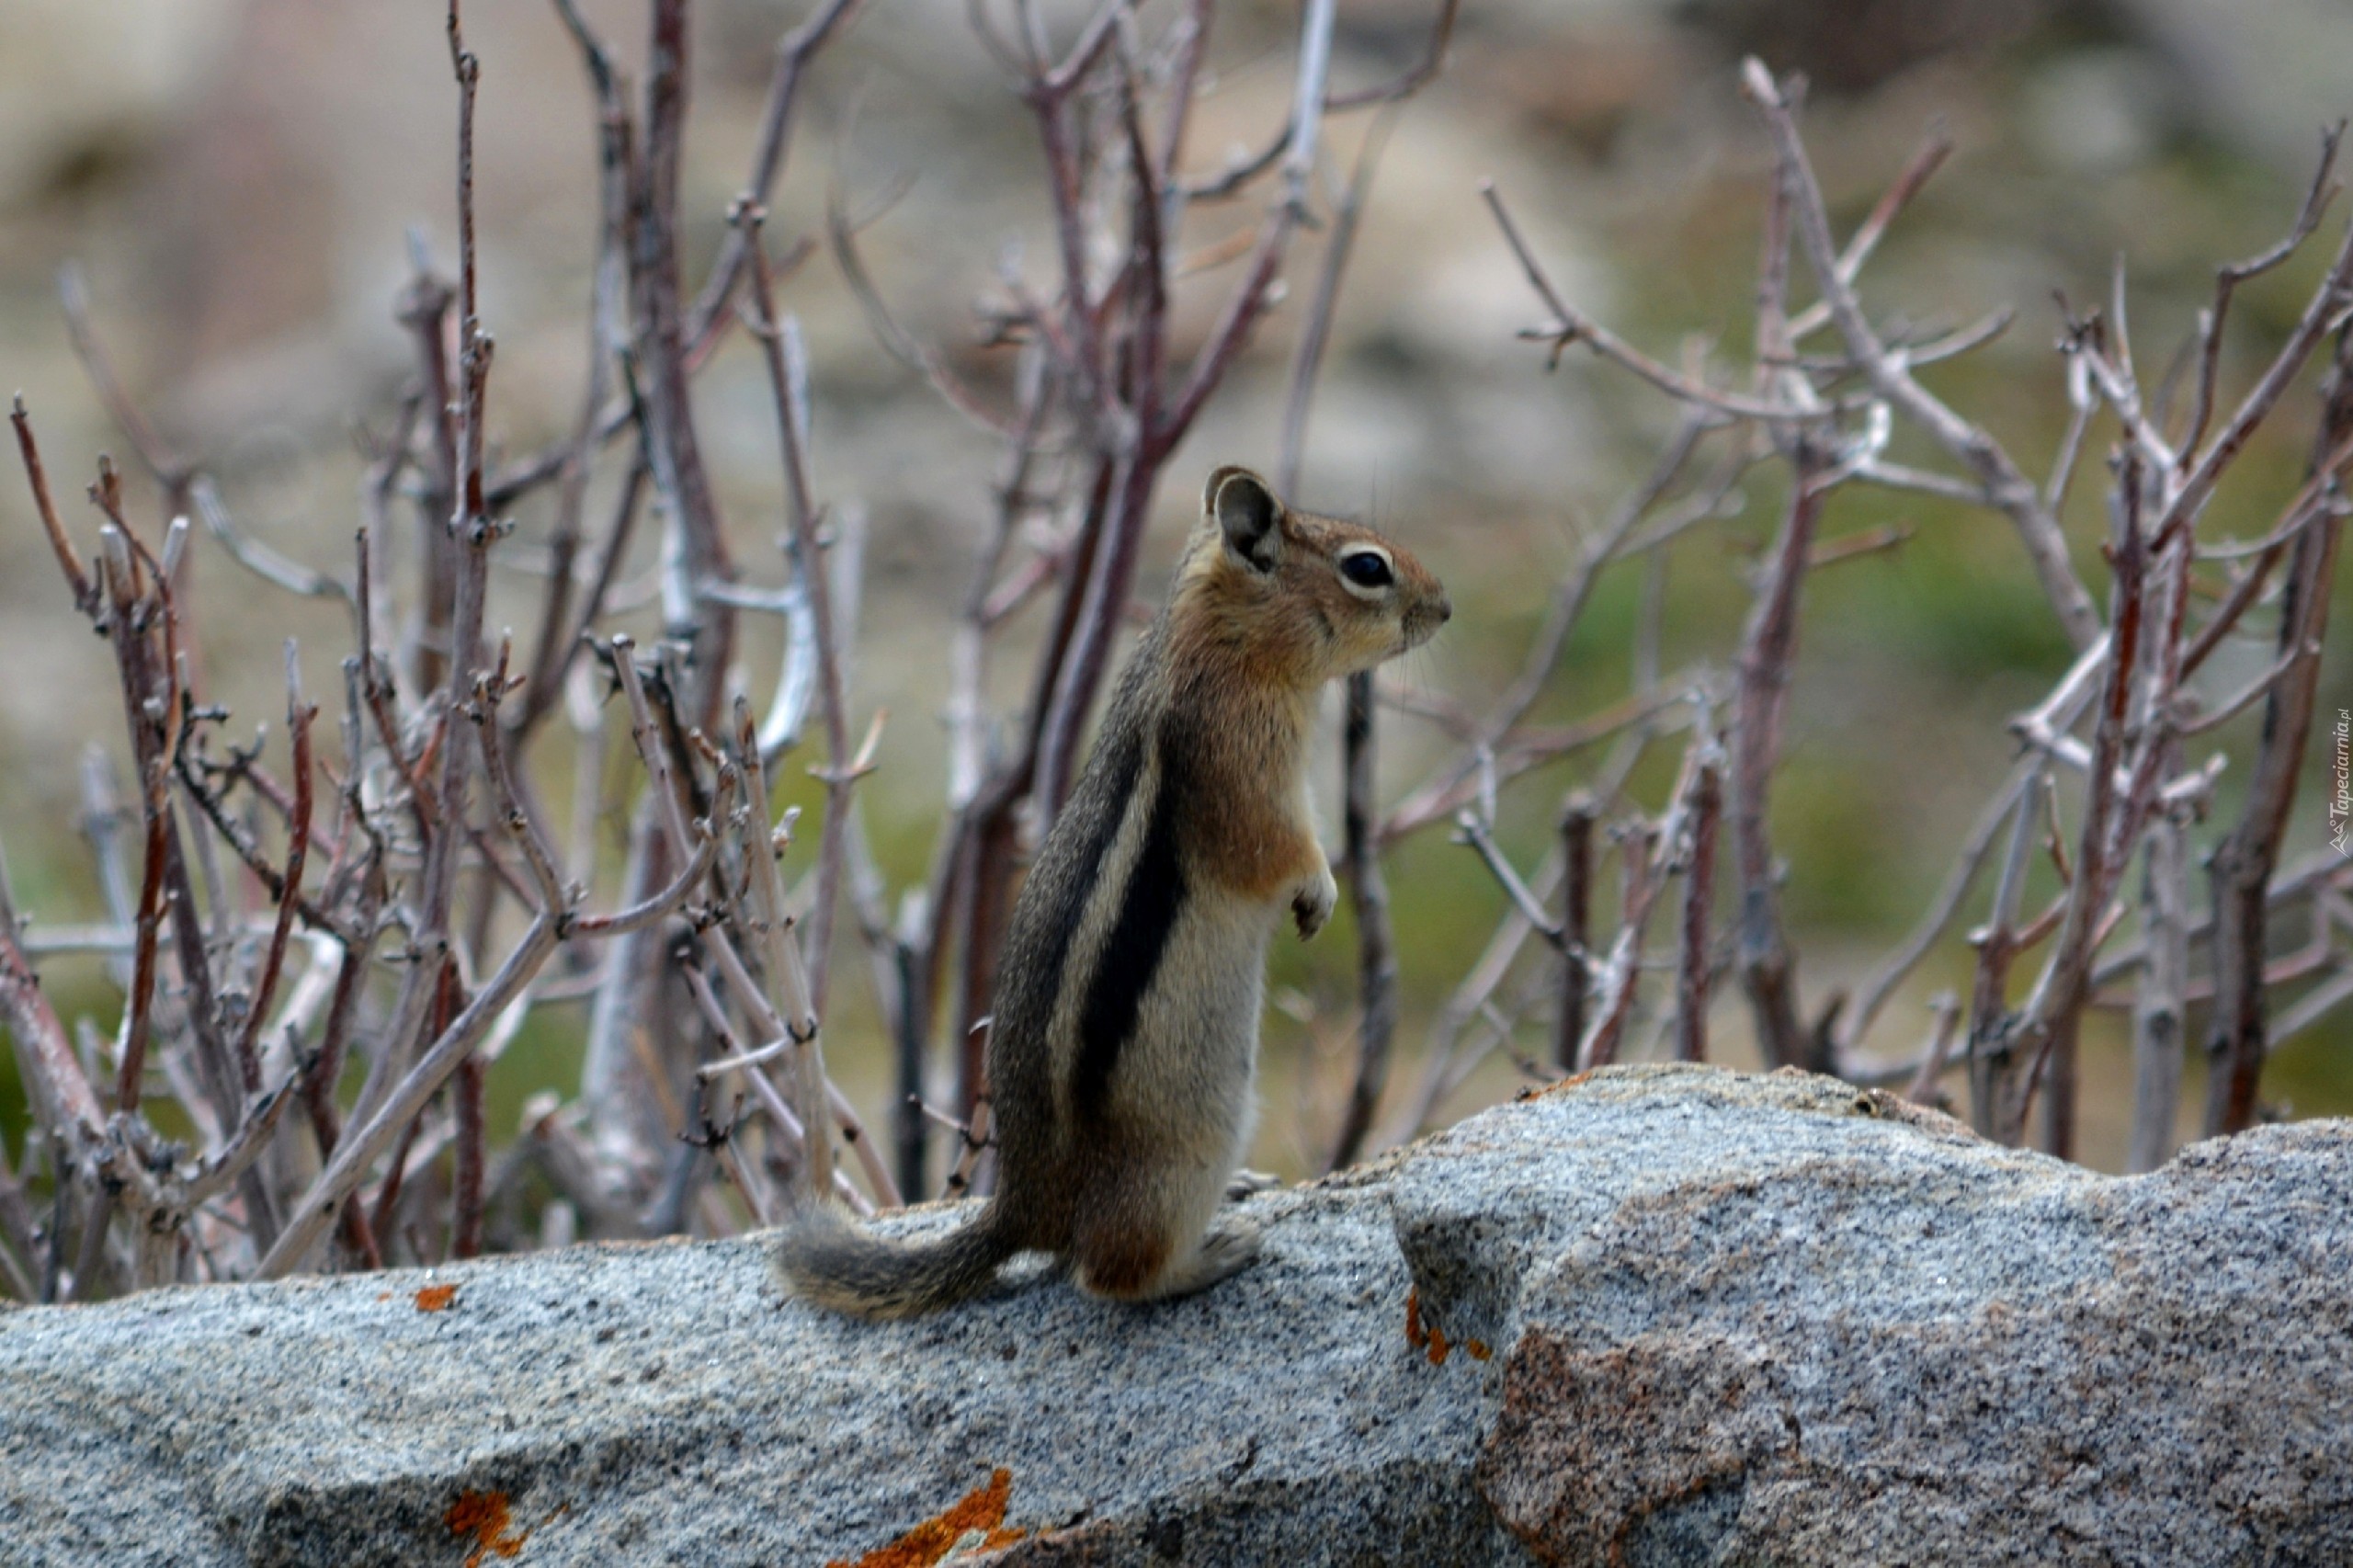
[(1318, 597)]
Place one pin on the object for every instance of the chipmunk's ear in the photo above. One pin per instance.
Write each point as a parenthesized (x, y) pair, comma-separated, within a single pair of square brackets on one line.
[(1247, 515)]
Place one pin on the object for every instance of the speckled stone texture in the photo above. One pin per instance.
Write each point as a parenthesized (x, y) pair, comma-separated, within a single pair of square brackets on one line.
[(1782, 1321), (1657, 1316)]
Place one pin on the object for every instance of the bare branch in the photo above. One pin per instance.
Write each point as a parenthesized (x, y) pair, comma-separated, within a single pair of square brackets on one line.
[(46, 1065), (2322, 191), (1570, 326), (2160, 1012), (794, 51), (780, 347), (69, 560), (1475, 833), (1926, 160), (2007, 488), (1307, 102), (299, 716), (1767, 646), (1695, 959), (256, 557), (2241, 866), (363, 1144), (1872, 994), (1242, 170), (1620, 971), (170, 471), (2325, 314)]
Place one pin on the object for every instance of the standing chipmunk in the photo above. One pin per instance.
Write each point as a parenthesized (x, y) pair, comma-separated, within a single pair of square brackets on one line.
[(1122, 1058)]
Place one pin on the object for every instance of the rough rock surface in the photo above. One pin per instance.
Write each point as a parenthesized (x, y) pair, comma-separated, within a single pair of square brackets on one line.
[(1657, 1316)]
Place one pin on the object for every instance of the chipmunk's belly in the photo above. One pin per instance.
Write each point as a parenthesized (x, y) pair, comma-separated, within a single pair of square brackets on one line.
[(1195, 1059)]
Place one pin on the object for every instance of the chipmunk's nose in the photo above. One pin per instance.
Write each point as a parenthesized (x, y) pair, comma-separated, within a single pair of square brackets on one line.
[(1445, 609)]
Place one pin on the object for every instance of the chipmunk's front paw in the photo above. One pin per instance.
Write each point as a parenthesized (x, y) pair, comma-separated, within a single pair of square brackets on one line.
[(1312, 904), (1244, 1182)]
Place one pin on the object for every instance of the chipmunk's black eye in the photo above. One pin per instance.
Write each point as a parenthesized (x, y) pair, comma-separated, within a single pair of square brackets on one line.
[(1367, 569)]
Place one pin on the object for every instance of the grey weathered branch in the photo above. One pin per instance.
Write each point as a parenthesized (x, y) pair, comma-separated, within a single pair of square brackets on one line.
[(2007, 488)]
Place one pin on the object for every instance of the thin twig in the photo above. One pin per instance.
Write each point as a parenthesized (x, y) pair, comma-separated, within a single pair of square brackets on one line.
[(168, 469), (794, 51), (815, 582), (1872, 994), (256, 557), (69, 560), (1944, 1008), (2317, 197), (1239, 172), (1570, 326), (299, 716), (1475, 833)]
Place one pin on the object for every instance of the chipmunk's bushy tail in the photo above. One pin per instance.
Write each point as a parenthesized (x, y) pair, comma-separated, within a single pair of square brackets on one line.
[(827, 1260)]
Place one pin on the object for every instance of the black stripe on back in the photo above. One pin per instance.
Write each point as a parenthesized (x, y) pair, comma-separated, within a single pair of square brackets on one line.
[(1092, 820), (1132, 954)]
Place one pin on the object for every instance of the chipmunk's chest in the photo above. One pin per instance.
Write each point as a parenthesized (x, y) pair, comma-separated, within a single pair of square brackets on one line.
[(1228, 792)]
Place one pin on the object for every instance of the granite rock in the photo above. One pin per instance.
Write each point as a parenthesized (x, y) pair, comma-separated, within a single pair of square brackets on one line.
[(1658, 1316)]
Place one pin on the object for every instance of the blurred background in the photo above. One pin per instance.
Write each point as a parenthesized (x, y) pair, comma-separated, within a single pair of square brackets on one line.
[(237, 180)]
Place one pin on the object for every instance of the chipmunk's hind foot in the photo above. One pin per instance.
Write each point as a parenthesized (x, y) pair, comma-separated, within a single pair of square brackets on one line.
[(1224, 1253), (1146, 1273)]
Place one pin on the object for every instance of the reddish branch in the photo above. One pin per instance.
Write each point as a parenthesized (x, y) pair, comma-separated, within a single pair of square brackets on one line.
[(46, 1065), (1768, 968), (299, 716), (69, 560), (1577, 819), (1694, 967)]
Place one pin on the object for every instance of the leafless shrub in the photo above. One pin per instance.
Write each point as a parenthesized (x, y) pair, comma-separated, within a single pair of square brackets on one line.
[(2123, 727), (392, 907), (276, 941)]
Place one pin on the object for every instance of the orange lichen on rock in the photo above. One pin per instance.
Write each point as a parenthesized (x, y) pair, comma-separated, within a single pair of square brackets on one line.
[(486, 1516), (1478, 1349), (981, 1509), (1427, 1337), (1563, 1086), (436, 1297)]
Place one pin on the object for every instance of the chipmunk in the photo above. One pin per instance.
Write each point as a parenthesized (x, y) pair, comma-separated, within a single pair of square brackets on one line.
[(1122, 1058)]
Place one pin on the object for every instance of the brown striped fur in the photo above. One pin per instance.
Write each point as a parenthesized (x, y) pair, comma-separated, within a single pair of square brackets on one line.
[(1124, 1051)]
